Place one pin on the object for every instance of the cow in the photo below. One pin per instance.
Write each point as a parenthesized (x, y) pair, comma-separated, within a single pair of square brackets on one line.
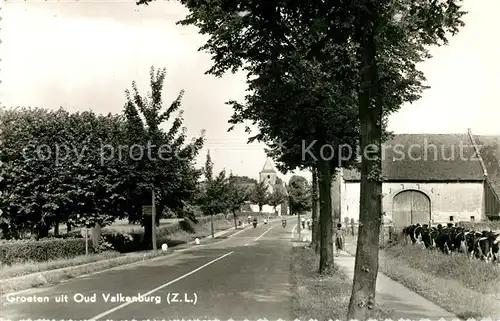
[(482, 245), (428, 236), (495, 247), (443, 239), (409, 231)]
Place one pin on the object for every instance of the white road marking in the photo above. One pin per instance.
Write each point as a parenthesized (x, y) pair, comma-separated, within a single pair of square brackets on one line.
[(174, 251), (159, 288), (244, 229), (293, 231), (263, 234)]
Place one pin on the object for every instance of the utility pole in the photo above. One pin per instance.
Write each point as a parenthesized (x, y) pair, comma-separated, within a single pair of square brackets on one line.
[(300, 227), (86, 240), (153, 217)]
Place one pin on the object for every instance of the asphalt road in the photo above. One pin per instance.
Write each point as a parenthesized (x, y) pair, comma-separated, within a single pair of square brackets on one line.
[(246, 276)]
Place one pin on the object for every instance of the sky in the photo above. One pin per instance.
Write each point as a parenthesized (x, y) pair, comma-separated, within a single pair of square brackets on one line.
[(83, 54)]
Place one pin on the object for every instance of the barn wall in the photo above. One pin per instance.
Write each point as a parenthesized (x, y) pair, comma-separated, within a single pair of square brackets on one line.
[(461, 200)]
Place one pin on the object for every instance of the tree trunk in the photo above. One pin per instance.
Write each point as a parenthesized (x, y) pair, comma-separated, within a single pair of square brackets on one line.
[(42, 231), (235, 223), (325, 217), (260, 208), (148, 232), (362, 300), (68, 228), (314, 239), (212, 224), (56, 229), (318, 229)]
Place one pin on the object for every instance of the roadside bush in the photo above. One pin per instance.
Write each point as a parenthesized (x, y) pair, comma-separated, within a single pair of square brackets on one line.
[(187, 226), (122, 242), (40, 251), (73, 244)]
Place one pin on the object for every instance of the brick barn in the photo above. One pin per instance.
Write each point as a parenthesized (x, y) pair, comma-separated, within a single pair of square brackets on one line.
[(431, 179)]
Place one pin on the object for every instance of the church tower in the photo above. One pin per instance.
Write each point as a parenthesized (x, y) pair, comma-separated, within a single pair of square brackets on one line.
[(268, 174)]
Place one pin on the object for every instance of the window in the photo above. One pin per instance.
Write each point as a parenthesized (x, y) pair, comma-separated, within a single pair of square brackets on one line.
[(472, 218), (451, 218)]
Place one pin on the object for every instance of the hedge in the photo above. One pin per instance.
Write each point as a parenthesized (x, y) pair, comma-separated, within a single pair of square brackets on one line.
[(63, 247), (40, 251)]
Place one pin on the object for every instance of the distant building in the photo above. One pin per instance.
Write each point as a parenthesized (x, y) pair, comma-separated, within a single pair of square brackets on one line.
[(269, 175), (442, 178)]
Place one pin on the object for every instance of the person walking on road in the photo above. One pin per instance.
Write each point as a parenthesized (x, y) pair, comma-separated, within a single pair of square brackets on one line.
[(339, 239), (303, 221)]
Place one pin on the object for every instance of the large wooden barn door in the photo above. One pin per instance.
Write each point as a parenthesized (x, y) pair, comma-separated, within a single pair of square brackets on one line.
[(410, 207), (401, 209), (421, 208)]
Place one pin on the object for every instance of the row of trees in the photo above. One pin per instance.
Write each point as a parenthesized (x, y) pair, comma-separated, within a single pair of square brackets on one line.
[(223, 193), (328, 75), (82, 168)]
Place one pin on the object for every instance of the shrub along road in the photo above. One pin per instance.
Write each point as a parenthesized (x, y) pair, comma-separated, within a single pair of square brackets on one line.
[(245, 276)]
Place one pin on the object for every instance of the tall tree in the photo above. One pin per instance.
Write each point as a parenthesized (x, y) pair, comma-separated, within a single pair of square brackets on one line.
[(389, 40), (296, 101), (392, 39), (163, 161), (276, 198), (315, 240), (237, 196), (260, 195), (216, 196), (299, 195)]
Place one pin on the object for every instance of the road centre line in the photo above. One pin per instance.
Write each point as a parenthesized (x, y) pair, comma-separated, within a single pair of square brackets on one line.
[(105, 313), (293, 231), (263, 234), (174, 251)]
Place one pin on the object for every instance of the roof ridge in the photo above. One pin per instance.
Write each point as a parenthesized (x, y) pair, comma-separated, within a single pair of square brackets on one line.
[(268, 166), (476, 149)]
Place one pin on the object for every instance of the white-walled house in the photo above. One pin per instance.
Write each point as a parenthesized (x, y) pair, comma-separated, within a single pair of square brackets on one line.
[(269, 176), (431, 179)]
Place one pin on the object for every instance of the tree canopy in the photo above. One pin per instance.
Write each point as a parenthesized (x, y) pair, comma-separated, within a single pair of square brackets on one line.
[(260, 195), (299, 195), (84, 168)]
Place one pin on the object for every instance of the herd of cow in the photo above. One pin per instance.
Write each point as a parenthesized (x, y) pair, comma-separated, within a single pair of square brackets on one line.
[(482, 245)]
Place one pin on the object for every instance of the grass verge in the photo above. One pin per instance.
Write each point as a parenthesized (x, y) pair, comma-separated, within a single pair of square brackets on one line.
[(58, 275), (468, 288), (34, 274), (321, 297), (200, 231), (21, 269)]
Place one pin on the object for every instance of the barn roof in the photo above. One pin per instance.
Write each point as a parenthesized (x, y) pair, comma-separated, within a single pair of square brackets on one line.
[(489, 148), (449, 157)]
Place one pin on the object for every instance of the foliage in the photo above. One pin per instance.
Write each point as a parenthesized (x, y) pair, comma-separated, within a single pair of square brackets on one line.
[(237, 194), (122, 242), (260, 195), (276, 198), (171, 167), (299, 195), (80, 168), (215, 195), (40, 251)]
